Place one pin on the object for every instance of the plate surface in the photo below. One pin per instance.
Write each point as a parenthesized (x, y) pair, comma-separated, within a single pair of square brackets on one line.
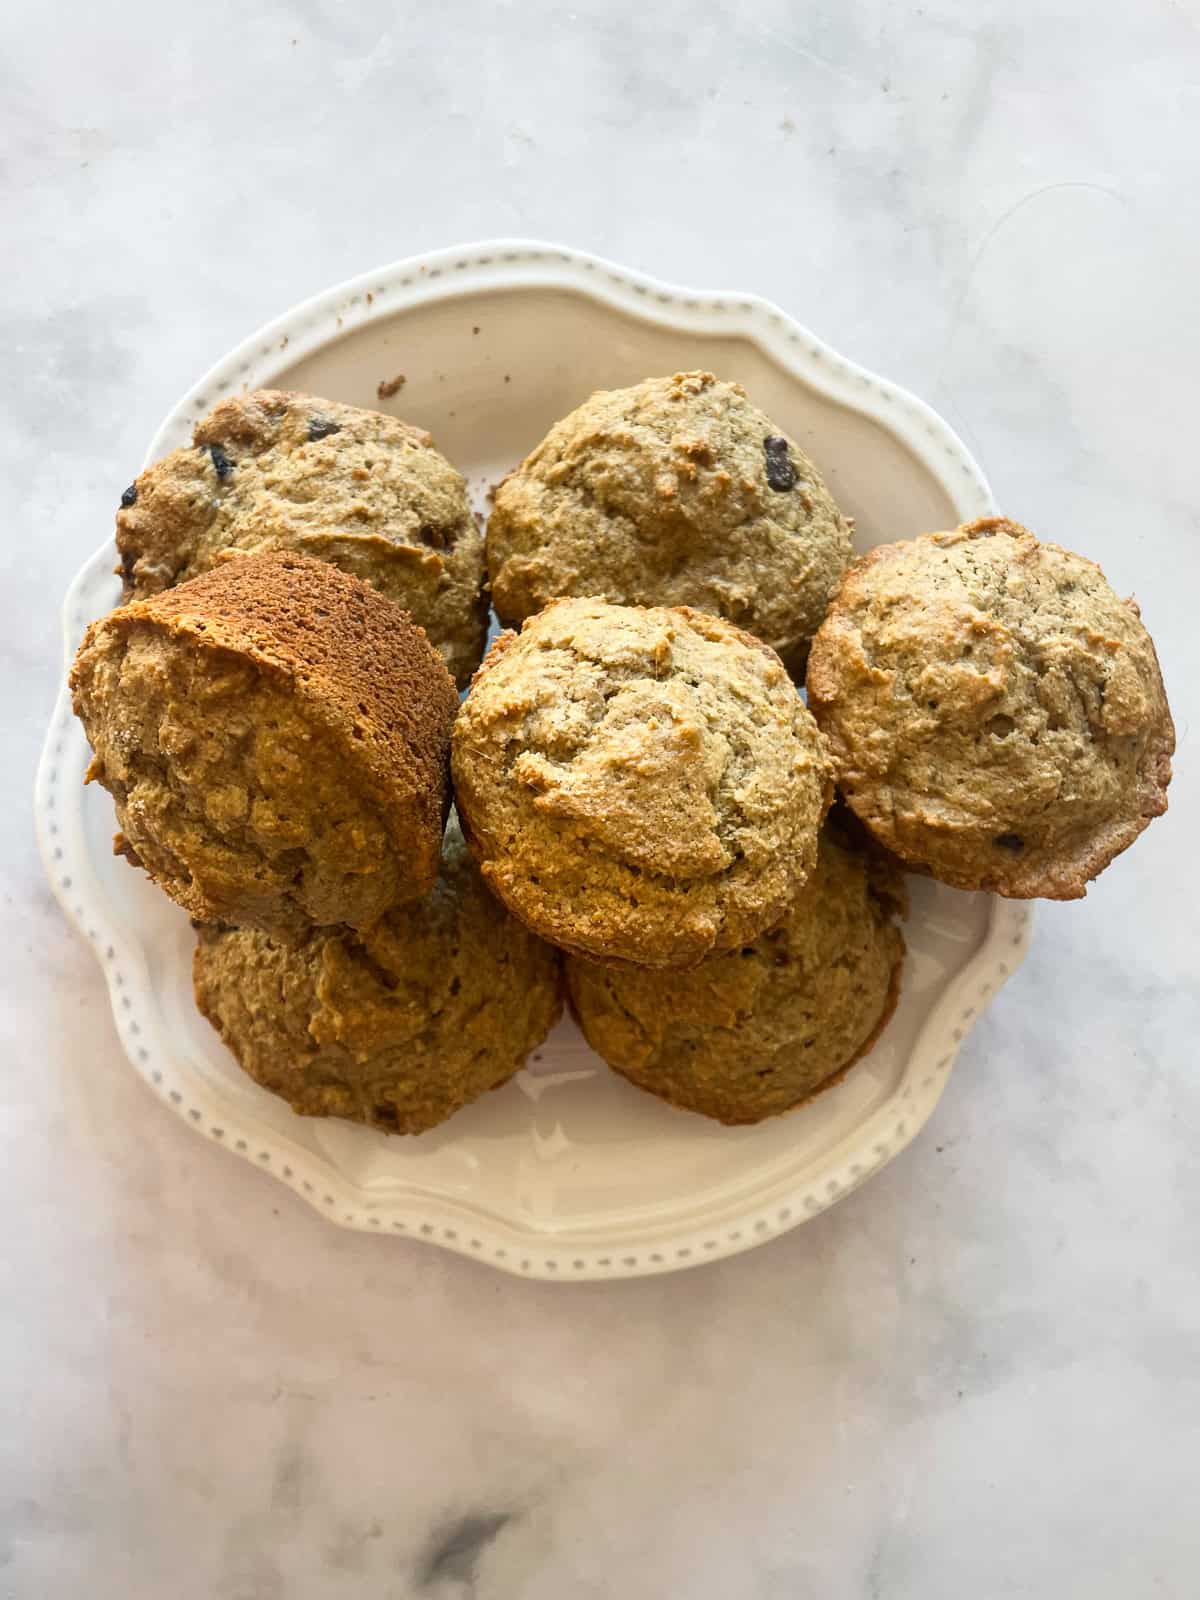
[(568, 1171)]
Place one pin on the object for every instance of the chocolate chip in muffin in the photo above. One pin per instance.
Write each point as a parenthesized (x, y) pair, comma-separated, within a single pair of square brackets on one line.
[(359, 503), (129, 496), (781, 474), (220, 461), (659, 494), (996, 711)]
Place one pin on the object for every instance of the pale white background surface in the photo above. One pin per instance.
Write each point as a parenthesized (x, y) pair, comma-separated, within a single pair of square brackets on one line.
[(979, 1376)]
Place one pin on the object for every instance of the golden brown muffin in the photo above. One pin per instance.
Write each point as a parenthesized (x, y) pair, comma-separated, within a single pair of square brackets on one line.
[(997, 714), (278, 471), (639, 785), (275, 738), (398, 1026), (678, 491), (756, 1031)]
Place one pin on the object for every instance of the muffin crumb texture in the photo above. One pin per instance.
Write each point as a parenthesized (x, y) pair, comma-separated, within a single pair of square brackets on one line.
[(639, 785), (996, 713)]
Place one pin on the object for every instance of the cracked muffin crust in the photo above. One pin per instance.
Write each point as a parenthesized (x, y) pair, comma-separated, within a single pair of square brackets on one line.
[(399, 1026), (275, 738), (677, 491), (752, 1032), (366, 492), (639, 785), (996, 712)]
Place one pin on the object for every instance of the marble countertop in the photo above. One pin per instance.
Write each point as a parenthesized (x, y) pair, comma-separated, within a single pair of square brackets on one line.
[(978, 1375)]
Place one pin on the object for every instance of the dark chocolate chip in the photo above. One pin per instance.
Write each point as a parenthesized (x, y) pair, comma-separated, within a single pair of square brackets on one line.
[(321, 428), (1009, 841), (127, 563), (781, 474), (220, 461), (129, 496)]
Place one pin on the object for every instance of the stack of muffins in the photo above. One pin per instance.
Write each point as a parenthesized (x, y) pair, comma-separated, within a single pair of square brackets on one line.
[(640, 791)]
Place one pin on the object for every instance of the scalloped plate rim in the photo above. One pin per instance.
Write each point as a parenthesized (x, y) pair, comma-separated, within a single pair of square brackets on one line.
[(547, 1253)]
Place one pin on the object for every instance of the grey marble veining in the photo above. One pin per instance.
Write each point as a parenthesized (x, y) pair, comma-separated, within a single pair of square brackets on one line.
[(977, 1376)]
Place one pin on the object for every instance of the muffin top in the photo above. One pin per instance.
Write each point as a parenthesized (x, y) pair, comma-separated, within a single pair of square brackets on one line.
[(365, 492), (361, 670), (276, 737), (639, 785), (996, 712), (753, 1032), (677, 491), (398, 1026)]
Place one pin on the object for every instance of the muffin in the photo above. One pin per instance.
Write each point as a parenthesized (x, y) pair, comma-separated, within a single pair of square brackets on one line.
[(365, 492), (756, 1031), (639, 785), (996, 713), (398, 1026), (275, 737), (678, 491)]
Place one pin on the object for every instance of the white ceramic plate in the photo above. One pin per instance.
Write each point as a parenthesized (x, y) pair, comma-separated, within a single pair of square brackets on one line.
[(567, 1172)]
